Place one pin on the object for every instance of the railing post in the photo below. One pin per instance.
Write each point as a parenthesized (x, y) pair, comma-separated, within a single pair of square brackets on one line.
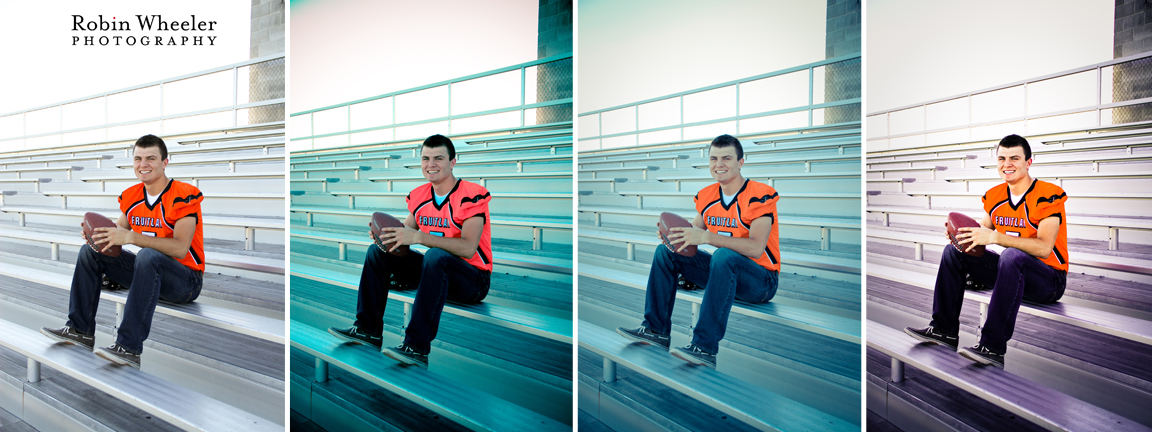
[(33, 370), (897, 370), (609, 370), (321, 370)]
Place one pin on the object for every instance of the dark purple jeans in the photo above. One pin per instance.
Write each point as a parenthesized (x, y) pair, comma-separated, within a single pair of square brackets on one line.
[(1014, 276)]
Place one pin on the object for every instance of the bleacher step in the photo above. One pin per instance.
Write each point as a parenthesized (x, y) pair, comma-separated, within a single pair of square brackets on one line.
[(539, 359), (924, 402), (163, 399), (461, 404), (60, 402), (825, 358), (753, 405), (636, 402), (1034, 402), (348, 403)]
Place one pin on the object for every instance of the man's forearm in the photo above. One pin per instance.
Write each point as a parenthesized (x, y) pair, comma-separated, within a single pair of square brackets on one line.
[(744, 246), (1032, 245), (460, 247), (167, 246)]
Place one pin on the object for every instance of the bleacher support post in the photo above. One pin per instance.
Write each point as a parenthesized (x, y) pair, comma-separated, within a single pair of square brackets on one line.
[(321, 370), (1113, 238), (537, 238), (249, 238), (919, 251), (609, 370), (33, 370), (55, 251), (343, 251), (119, 313), (897, 370), (695, 317), (631, 251), (825, 238)]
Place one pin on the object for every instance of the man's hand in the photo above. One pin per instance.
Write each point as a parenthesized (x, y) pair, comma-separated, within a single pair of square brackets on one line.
[(977, 236), (691, 236), (112, 237), (403, 236)]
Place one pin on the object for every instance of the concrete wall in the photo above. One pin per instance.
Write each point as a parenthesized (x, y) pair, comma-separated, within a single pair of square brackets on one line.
[(554, 80), (266, 80), (842, 80), (1132, 34)]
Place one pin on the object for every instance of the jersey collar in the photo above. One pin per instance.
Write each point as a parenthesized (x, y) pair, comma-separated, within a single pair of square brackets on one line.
[(159, 198), (1023, 198), (734, 197), (447, 197)]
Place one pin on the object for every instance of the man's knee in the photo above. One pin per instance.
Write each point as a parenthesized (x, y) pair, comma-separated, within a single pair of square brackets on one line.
[(725, 257), (1013, 257), (149, 256), (437, 256)]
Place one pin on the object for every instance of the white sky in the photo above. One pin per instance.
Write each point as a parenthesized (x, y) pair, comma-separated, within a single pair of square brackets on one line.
[(42, 67), (345, 50), (637, 50), (924, 50)]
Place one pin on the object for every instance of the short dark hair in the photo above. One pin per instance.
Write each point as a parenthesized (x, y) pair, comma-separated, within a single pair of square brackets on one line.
[(1017, 141), (150, 140), (441, 141), (729, 141)]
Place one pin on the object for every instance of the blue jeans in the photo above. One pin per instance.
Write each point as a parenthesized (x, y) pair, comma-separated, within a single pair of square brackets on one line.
[(151, 276), (726, 276), (438, 276), (1013, 276)]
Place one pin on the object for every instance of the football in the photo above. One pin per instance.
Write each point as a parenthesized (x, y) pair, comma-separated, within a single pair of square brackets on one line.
[(381, 221), (669, 221), (90, 223), (953, 225)]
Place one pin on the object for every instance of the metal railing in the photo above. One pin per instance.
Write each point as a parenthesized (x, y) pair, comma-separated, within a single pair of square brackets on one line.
[(1101, 95), (822, 93), (535, 93), (238, 94)]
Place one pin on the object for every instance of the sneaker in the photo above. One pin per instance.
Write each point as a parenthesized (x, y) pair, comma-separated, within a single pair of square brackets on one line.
[(693, 354), (406, 355), (354, 335), (67, 335), (929, 334), (117, 354), (642, 335), (981, 354)]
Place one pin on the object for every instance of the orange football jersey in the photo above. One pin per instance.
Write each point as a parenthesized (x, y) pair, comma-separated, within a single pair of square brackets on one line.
[(754, 200), (1042, 200), (466, 200), (178, 200)]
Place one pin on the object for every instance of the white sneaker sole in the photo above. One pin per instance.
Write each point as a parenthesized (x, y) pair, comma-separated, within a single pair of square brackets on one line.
[(691, 359), (115, 359), (59, 339), (403, 359), (636, 339), (979, 358)]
